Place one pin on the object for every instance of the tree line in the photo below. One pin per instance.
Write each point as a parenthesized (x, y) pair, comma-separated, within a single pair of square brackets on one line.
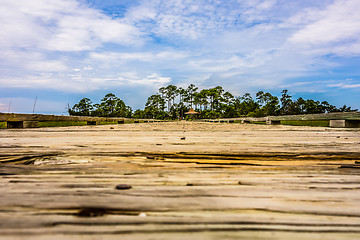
[(110, 106), (171, 102)]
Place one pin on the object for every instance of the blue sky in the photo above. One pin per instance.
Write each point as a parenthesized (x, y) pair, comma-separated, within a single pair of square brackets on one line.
[(61, 51)]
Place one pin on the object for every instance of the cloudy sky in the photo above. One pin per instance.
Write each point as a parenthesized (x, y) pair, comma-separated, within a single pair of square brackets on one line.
[(61, 51)]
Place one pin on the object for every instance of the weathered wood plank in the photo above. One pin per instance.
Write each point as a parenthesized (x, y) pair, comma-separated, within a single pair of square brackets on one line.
[(222, 182)]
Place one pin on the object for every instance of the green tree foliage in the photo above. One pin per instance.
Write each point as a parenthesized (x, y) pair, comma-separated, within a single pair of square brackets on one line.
[(83, 108), (169, 94), (246, 105), (171, 102), (269, 104), (110, 106), (287, 104), (155, 107), (189, 96)]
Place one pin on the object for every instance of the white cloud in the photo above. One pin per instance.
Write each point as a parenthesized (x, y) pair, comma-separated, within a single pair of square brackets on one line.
[(195, 19), (332, 30), (70, 27), (122, 56), (60, 26), (38, 39), (144, 12), (239, 44), (90, 30), (343, 49), (46, 66), (322, 85), (88, 68), (24, 61), (153, 79), (344, 85), (138, 56), (218, 65), (80, 82)]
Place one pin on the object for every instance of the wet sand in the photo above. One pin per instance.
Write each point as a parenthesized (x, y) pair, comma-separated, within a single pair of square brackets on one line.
[(188, 180)]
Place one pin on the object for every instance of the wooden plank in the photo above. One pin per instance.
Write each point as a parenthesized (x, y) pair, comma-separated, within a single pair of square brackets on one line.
[(224, 181)]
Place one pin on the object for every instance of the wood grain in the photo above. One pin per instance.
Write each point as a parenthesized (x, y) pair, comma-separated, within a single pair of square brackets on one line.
[(224, 181)]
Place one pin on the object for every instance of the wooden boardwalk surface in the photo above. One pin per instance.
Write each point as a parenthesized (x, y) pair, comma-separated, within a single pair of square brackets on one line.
[(223, 181)]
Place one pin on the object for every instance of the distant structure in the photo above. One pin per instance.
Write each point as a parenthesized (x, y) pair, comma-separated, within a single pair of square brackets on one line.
[(18, 120), (192, 113)]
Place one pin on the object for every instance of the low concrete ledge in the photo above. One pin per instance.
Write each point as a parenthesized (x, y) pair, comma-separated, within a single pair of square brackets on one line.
[(22, 124), (15, 124), (17, 120), (320, 116), (273, 122), (339, 119), (345, 123), (41, 117)]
